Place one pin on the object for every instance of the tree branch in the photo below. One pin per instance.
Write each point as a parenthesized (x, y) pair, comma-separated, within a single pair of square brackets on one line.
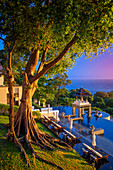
[(43, 59), (52, 63), (14, 44), (32, 62)]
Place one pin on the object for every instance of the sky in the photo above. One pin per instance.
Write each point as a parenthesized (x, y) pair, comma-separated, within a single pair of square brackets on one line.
[(99, 68)]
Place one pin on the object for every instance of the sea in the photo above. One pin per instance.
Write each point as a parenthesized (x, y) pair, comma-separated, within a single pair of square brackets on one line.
[(93, 86)]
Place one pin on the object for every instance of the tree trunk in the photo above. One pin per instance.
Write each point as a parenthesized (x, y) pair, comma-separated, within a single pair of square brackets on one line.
[(24, 122), (26, 129), (10, 134), (25, 126)]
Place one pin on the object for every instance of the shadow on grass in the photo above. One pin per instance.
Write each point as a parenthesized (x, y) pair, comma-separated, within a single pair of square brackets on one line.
[(72, 156), (76, 157)]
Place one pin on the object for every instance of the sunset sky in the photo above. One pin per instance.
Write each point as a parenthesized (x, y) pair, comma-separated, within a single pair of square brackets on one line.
[(99, 68)]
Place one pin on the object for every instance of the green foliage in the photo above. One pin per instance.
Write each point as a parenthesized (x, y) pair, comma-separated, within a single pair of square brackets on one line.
[(110, 94), (109, 110), (90, 99), (16, 108), (109, 102), (37, 115), (18, 78), (100, 105), (96, 108), (52, 89), (42, 100), (36, 106), (101, 94), (66, 101), (97, 99), (72, 93), (4, 109), (31, 23)]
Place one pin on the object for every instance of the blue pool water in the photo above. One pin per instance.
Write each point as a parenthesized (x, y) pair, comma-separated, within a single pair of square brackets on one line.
[(105, 124)]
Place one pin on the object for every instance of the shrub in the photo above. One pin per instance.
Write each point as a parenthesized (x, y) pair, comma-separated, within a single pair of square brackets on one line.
[(110, 94), (37, 115), (16, 108), (96, 108), (97, 99), (109, 102), (66, 101), (100, 105), (36, 106), (72, 93), (42, 100), (101, 94), (109, 110), (4, 109), (90, 98)]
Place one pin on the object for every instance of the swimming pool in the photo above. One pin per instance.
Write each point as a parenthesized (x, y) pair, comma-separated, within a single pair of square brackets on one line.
[(102, 122)]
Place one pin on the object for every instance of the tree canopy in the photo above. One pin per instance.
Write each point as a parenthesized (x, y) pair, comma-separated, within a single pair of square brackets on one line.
[(51, 25)]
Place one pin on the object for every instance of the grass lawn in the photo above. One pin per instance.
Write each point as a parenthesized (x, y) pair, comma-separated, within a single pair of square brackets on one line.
[(10, 157)]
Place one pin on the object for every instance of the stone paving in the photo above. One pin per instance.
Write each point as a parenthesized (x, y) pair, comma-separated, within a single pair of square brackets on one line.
[(102, 142)]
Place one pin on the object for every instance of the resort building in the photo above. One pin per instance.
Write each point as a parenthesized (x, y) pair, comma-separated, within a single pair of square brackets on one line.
[(4, 94)]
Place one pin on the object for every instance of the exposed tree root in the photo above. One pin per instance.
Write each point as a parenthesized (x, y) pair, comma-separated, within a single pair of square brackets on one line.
[(27, 131), (38, 157), (22, 150)]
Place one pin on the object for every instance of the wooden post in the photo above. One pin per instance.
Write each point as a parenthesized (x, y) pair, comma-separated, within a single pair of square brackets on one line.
[(79, 112), (82, 111), (96, 112), (69, 117), (89, 111), (73, 110)]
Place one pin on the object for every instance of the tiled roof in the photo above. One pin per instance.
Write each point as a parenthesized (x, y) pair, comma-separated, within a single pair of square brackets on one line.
[(81, 92)]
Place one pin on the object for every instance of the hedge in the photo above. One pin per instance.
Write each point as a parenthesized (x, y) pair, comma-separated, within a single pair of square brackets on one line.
[(4, 109)]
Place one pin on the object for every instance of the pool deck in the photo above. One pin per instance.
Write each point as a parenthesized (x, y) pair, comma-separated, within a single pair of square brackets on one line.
[(101, 142)]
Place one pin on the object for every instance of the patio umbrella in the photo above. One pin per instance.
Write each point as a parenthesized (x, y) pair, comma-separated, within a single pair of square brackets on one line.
[(93, 140)]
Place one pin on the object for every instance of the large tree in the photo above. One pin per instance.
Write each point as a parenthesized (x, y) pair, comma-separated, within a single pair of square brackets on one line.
[(53, 33)]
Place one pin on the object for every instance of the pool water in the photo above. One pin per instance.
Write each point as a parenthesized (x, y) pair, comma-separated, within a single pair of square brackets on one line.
[(105, 124)]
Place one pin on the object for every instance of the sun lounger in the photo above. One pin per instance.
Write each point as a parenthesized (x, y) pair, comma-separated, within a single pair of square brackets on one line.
[(85, 150), (70, 137), (93, 154)]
